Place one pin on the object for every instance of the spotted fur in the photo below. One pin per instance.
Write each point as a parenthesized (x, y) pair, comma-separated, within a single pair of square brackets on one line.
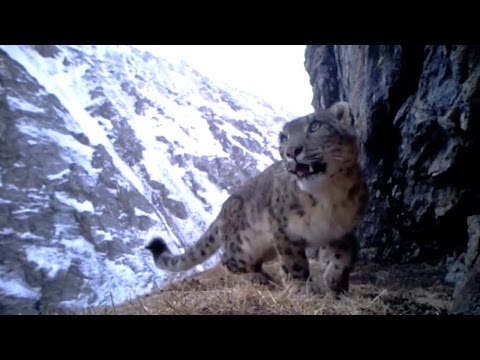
[(312, 199)]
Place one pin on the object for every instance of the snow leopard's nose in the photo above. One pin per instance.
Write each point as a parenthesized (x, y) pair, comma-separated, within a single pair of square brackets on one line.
[(292, 152)]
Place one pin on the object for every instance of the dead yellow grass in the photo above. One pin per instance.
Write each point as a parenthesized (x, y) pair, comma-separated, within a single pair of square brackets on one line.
[(218, 292)]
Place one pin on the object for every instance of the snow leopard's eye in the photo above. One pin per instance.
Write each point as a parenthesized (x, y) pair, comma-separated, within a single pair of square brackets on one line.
[(283, 138), (314, 126)]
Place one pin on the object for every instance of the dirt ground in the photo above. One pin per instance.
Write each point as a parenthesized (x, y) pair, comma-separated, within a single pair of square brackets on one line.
[(374, 289)]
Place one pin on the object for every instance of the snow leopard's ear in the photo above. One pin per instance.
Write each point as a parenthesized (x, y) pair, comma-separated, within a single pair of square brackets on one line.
[(342, 113)]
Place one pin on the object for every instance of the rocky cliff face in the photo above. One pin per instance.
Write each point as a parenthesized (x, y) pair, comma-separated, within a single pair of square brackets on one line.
[(101, 148), (467, 290), (417, 114)]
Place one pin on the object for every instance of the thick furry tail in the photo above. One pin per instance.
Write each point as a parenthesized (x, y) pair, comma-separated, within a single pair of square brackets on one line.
[(198, 253)]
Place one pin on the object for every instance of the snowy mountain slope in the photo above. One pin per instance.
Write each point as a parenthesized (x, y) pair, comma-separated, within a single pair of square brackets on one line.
[(103, 147)]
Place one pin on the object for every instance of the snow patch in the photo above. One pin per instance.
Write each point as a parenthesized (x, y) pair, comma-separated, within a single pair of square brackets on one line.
[(58, 175), (25, 211), (33, 195), (50, 259), (22, 105), (72, 151), (29, 236), (106, 236), (77, 205), (7, 231), (12, 285), (139, 212)]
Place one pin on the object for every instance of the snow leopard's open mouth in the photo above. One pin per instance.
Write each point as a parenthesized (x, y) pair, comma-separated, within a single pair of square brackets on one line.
[(305, 170)]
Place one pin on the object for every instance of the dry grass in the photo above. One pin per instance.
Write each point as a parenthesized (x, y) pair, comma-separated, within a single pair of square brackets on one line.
[(218, 292)]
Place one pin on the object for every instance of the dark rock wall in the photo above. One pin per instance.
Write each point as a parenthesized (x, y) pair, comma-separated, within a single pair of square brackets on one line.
[(417, 114)]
